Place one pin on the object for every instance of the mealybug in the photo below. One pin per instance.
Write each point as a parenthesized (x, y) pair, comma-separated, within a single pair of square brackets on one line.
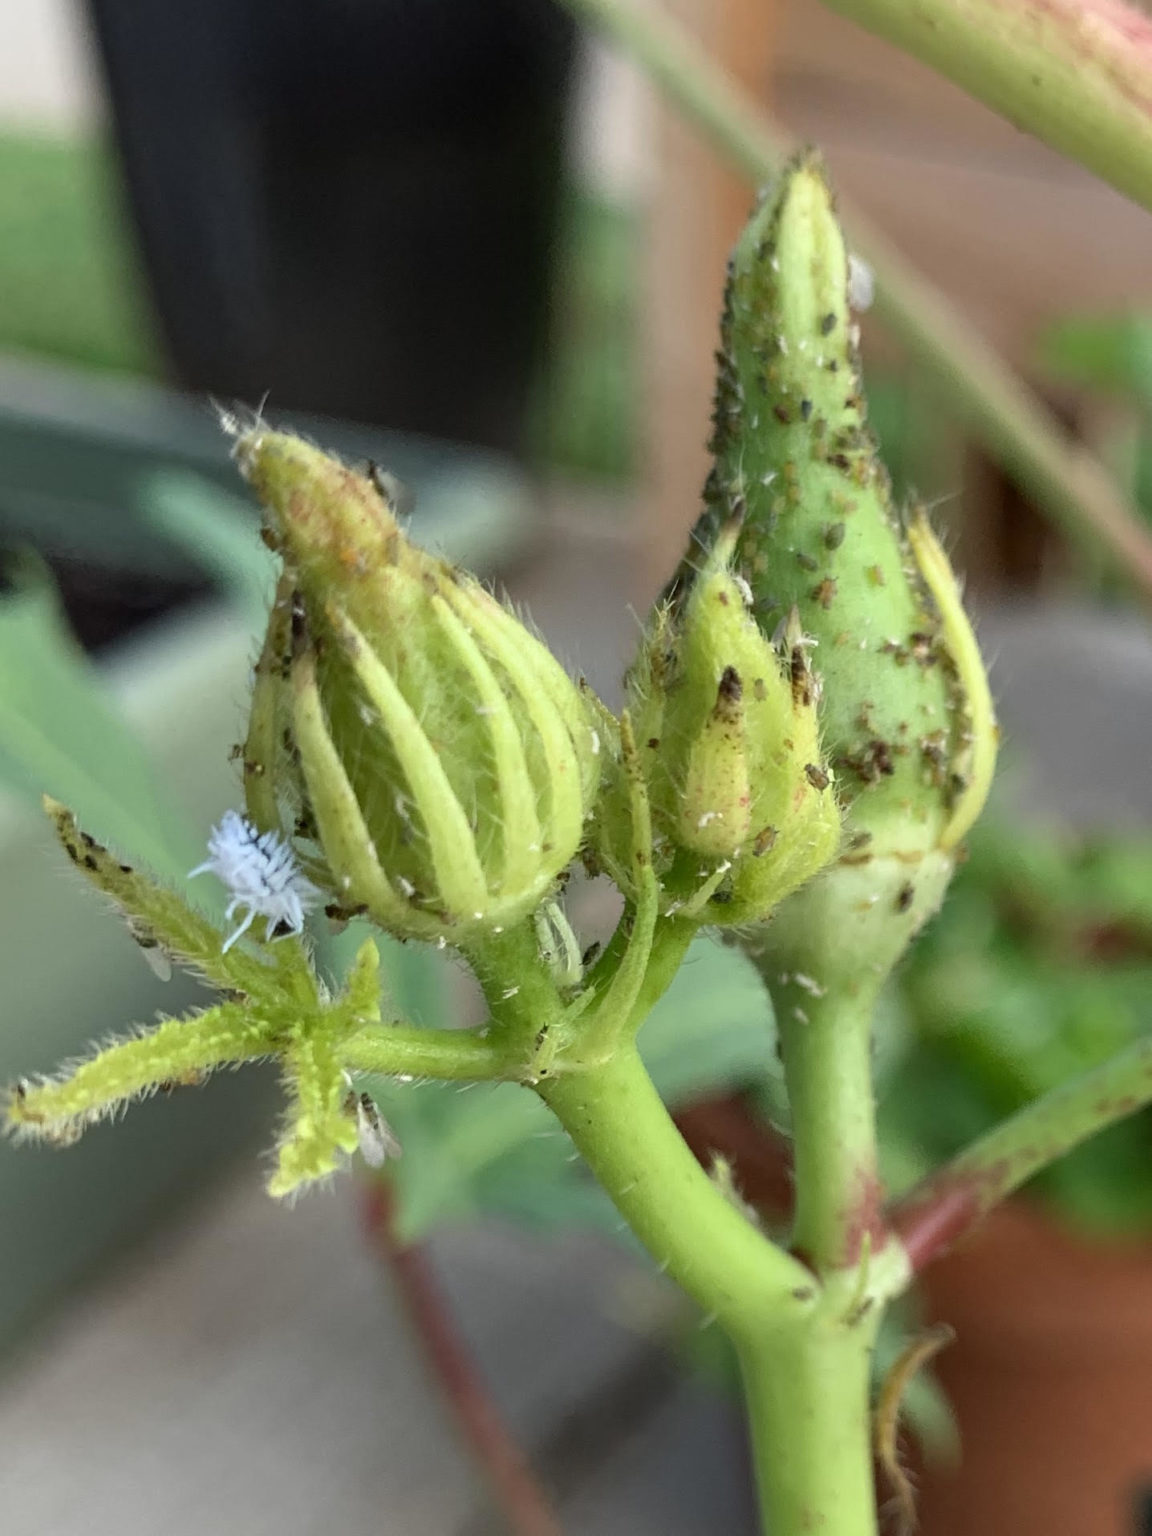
[(260, 871)]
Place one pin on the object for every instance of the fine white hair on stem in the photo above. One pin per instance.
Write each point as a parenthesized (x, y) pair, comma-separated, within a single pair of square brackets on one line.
[(261, 873)]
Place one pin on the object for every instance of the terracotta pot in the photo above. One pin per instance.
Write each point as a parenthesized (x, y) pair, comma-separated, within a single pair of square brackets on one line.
[(1051, 1380)]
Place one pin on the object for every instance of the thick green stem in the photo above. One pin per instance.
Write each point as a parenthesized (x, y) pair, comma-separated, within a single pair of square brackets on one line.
[(619, 1123), (1069, 484), (399, 1050), (522, 998), (804, 1347), (826, 1042), (951, 1201), (807, 1392), (1076, 73)]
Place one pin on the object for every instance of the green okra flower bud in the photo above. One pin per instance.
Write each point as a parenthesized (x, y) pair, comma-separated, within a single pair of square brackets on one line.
[(905, 714), (742, 802), (413, 728)]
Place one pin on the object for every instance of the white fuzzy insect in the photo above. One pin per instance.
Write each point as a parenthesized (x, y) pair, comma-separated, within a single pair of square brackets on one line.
[(260, 871)]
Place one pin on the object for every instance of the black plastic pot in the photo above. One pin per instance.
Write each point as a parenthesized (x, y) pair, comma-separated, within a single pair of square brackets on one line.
[(350, 205)]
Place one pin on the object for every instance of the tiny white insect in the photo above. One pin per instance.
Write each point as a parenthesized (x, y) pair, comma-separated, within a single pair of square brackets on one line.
[(260, 871), (861, 283)]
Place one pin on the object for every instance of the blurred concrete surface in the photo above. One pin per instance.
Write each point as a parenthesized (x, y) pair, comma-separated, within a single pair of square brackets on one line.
[(250, 1374), (1073, 686)]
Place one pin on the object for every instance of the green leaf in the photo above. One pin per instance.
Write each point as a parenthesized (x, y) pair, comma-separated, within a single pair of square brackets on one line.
[(60, 734), (219, 532), (713, 1029), (1105, 352)]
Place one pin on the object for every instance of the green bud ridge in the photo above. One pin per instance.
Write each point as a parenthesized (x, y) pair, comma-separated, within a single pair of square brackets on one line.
[(440, 756), (742, 804), (793, 456)]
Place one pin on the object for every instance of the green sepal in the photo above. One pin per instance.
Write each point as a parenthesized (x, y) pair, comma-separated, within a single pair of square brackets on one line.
[(159, 917), (319, 1132), (743, 803), (177, 1053)]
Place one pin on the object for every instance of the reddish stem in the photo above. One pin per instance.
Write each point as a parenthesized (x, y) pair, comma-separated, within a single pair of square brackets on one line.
[(933, 1217), (513, 1485)]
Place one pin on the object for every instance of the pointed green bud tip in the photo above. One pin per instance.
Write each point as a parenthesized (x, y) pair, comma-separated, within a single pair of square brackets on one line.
[(906, 717), (403, 721), (743, 802)]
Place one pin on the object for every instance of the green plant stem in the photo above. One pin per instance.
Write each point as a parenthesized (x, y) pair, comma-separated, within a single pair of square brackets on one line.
[(1067, 482), (669, 946), (619, 1123), (807, 1393), (951, 1201), (396, 1050), (1076, 73), (804, 1347), (522, 997), (826, 1044)]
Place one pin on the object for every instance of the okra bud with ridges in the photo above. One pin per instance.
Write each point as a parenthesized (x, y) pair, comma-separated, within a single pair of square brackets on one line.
[(743, 806), (905, 715), (410, 724)]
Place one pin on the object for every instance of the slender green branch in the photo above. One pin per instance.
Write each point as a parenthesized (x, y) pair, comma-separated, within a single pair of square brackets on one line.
[(619, 1123), (1076, 73), (394, 1050), (1066, 481), (670, 944), (616, 1006), (952, 1200), (826, 1043)]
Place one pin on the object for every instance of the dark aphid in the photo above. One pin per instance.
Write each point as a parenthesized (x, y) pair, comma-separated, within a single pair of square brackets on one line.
[(765, 842)]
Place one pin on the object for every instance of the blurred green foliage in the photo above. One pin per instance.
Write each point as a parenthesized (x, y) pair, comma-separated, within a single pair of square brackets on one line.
[(588, 416), (69, 286), (1038, 969), (60, 733), (1108, 359), (1109, 353)]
